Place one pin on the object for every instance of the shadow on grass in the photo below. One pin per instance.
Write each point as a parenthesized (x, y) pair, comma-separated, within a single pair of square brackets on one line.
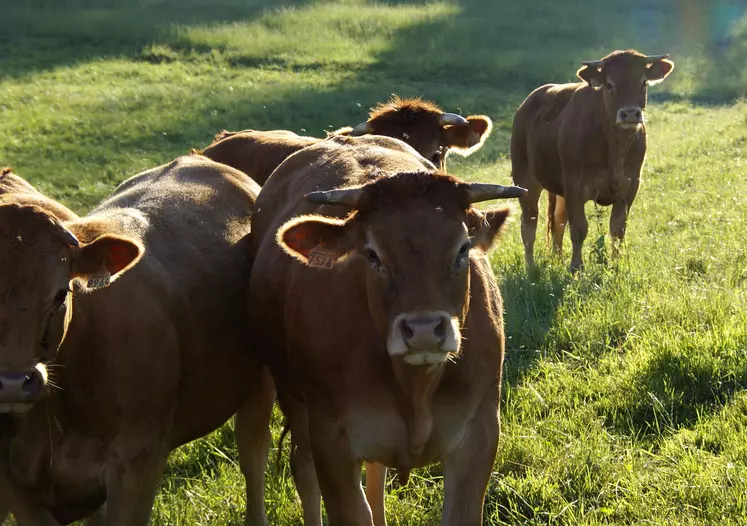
[(37, 35)]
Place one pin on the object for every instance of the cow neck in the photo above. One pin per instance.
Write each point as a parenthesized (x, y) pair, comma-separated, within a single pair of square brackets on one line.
[(418, 383)]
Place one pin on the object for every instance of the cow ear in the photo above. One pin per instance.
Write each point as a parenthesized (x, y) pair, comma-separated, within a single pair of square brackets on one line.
[(484, 228), (592, 76), (106, 258), (465, 139), (659, 70), (317, 241)]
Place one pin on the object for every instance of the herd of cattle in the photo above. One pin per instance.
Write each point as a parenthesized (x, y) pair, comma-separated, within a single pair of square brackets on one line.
[(344, 277)]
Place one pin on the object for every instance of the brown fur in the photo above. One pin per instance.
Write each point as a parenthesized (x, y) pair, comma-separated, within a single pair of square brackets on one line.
[(324, 331), (146, 364), (415, 121), (569, 140)]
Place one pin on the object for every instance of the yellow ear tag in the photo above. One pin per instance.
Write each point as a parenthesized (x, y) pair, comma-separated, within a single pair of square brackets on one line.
[(99, 282), (321, 258)]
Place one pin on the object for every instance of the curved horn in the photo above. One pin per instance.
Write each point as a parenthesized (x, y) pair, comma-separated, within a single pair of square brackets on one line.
[(648, 59), (69, 238), (451, 119), (593, 63), (363, 128), (477, 192), (348, 197)]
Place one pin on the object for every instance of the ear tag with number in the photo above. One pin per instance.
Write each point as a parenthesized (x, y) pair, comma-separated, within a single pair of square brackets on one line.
[(321, 258), (99, 282)]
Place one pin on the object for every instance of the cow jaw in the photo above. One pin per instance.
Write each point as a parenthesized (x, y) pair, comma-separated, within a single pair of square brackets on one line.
[(434, 342)]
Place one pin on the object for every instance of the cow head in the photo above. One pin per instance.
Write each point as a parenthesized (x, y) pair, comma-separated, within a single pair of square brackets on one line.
[(624, 77), (415, 233), (426, 128), (40, 260)]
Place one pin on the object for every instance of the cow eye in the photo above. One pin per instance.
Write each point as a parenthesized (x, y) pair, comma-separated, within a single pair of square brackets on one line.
[(610, 86), (372, 258), (463, 252), (60, 297)]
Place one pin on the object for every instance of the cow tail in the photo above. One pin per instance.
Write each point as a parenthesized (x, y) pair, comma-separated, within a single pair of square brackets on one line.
[(279, 456), (551, 203)]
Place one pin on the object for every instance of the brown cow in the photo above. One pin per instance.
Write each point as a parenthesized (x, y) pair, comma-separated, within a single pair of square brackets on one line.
[(584, 141), (122, 336), (374, 302), (419, 123)]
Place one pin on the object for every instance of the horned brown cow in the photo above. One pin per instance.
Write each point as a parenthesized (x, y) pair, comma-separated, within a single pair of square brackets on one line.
[(584, 141), (422, 124), (374, 303), (122, 336)]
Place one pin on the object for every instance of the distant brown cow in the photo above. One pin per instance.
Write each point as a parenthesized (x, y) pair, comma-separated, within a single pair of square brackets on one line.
[(122, 336), (584, 141), (421, 124), (374, 303)]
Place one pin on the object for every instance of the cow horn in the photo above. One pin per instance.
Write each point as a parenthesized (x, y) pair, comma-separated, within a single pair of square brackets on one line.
[(593, 63), (348, 197), (69, 238), (451, 119), (363, 128), (477, 192), (650, 59)]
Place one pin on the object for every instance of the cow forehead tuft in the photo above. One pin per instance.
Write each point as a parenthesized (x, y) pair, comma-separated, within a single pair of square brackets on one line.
[(403, 106), (404, 187)]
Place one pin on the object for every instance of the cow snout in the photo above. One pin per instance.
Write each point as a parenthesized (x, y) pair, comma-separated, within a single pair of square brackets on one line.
[(424, 333), (631, 116), (20, 386)]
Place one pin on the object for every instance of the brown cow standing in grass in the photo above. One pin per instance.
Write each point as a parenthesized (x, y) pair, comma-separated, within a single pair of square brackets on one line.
[(584, 141), (376, 308), (421, 124), (123, 336)]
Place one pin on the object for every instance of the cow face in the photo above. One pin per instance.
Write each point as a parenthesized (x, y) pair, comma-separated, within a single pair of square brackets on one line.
[(623, 77), (40, 258), (415, 234), (424, 126)]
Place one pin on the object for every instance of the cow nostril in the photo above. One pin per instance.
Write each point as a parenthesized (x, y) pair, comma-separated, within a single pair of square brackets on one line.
[(638, 115), (440, 330), (407, 332), (32, 384)]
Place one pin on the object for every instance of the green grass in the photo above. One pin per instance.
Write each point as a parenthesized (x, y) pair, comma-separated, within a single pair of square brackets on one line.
[(624, 398)]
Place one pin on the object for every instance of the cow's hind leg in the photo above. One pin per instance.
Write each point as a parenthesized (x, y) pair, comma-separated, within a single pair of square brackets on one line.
[(557, 218), (375, 487), (467, 469), (529, 213), (579, 229), (338, 471), (252, 424), (619, 217)]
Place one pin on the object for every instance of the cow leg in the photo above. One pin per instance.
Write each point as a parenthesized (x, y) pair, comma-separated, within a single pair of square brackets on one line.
[(559, 221), (302, 460), (252, 427), (338, 471), (529, 213), (132, 477), (468, 467), (619, 217), (375, 487), (24, 510), (579, 229), (98, 518)]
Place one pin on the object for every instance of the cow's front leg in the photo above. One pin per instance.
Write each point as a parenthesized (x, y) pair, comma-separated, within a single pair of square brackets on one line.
[(619, 216), (468, 467), (133, 472), (338, 471), (574, 204), (252, 425), (25, 511), (529, 213)]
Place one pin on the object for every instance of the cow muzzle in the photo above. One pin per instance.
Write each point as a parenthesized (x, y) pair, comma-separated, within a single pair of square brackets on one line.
[(629, 117), (20, 390), (424, 338)]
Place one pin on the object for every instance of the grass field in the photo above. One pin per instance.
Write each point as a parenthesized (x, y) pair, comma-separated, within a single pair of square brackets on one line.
[(624, 398)]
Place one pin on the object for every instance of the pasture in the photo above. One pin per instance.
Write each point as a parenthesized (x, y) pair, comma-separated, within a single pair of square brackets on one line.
[(624, 388)]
